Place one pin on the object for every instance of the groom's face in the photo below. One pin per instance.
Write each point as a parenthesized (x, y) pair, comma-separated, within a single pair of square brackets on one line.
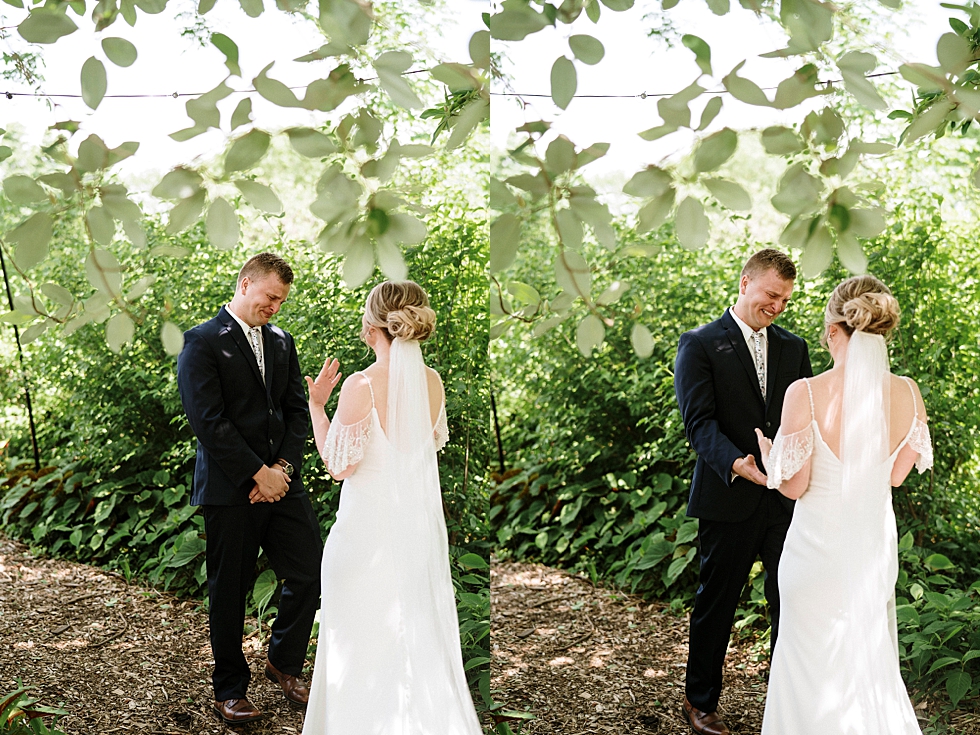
[(763, 298)]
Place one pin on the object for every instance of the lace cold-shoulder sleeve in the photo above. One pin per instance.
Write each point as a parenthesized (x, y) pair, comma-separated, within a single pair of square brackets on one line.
[(345, 444), (788, 455), (921, 442), (440, 431)]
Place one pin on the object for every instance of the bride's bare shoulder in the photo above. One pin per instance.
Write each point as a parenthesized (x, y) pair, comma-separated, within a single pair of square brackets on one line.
[(434, 381)]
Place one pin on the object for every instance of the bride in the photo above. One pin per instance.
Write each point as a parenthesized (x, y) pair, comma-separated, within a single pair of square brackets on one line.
[(847, 437), (388, 660)]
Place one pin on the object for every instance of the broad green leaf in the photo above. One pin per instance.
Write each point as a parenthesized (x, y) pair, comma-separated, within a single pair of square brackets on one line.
[(655, 212), (928, 121), (46, 26), (59, 180), (172, 338), (473, 561), (120, 206), (867, 222), (203, 110), (93, 154), (242, 114), (745, 90), (854, 67), (798, 191), (922, 75), (404, 229), (358, 263), (718, 7), (178, 184), (119, 51), (524, 293), (587, 49), (230, 49), (650, 182), (310, 143), (589, 334), (139, 288), (780, 141), (35, 330), (58, 294), (642, 340), (119, 330), (479, 49), (851, 254), (500, 195), (569, 229), (938, 562), (135, 233), (958, 683), (391, 261), (472, 115), (546, 325), (702, 52), (589, 210), (875, 148), (592, 10), (259, 196), (100, 224), (5, 152), (516, 22), (618, 6), (93, 82), (658, 132), (730, 194), (390, 67), (675, 110), (252, 8), (714, 150), (613, 294), (186, 212), (564, 81), (104, 272), (21, 189), (222, 225), (505, 238), (692, 224), (572, 274), (954, 53), (246, 151), (709, 113), (31, 238), (801, 86), (560, 156)]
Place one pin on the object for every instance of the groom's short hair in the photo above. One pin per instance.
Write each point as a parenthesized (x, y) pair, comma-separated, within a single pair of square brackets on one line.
[(261, 265), (770, 259)]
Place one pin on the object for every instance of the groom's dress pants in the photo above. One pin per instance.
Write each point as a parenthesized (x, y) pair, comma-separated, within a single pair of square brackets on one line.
[(728, 551), (288, 532)]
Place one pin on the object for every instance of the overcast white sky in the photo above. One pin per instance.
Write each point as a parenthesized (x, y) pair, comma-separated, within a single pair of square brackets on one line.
[(635, 63)]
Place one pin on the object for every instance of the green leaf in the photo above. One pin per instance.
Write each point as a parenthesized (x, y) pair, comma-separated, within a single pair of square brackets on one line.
[(730, 194), (505, 238), (230, 49), (560, 156), (926, 122), (259, 196), (702, 51), (564, 81), (23, 190), (867, 222), (675, 110), (57, 293), (104, 272), (246, 151), (650, 182), (798, 191), (172, 338), (35, 330), (404, 229), (954, 53), (613, 294), (692, 224), (851, 254), (31, 238), (589, 334), (178, 184), (975, 177), (618, 6), (473, 561), (479, 49), (390, 260), (203, 110), (642, 340), (958, 683), (572, 274), (714, 150), (709, 113), (677, 566), (658, 132), (462, 125), (310, 143), (569, 227), (516, 22), (242, 114), (390, 67), (119, 51), (587, 49), (780, 141), (100, 224), (252, 8), (938, 562), (358, 263), (655, 212), (186, 212), (500, 195), (854, 67), (93, 82), (222, 225), (119, 330), (139, 288), (46, 26), (745, 90)]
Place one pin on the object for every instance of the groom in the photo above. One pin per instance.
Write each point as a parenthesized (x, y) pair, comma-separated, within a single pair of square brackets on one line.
[(242, 391), (730, 377)]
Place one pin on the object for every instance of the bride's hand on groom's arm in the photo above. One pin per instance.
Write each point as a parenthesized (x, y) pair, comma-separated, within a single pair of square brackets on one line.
[(321, 388)]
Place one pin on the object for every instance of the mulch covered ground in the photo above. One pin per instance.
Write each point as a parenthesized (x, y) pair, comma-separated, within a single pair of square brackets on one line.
[(119, 658), (589, 661)]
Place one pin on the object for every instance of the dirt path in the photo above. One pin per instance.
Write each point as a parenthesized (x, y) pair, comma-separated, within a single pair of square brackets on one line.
[(119, 658), (588, 661)]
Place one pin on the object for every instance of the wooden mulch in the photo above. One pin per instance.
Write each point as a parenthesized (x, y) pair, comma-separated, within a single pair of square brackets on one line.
[(589, 661), (119, 658)]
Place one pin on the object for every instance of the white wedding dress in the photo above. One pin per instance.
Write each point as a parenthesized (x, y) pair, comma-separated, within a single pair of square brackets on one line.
[(835, 669), (388, 658)]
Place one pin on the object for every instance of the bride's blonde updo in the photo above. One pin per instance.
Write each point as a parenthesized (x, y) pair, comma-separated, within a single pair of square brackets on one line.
[(861, 304), (400, 309)]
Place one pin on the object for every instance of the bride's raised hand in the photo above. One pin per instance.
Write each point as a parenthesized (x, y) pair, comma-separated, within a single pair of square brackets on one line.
[(321, 388), (765, 446)]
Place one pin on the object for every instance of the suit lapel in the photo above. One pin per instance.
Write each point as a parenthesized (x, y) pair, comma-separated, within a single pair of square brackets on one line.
[(772, 369), (233, 328), (737, 340)]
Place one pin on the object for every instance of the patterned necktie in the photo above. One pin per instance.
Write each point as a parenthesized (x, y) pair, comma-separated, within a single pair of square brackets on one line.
[(254, 339), (760, 364)]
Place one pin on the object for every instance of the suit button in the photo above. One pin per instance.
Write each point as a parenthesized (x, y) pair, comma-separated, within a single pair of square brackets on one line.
[(270, 411), (768, 424), (270, 442)]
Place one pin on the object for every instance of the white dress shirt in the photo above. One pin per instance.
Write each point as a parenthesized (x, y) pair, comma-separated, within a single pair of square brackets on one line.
[(246, 329), (747, 332)]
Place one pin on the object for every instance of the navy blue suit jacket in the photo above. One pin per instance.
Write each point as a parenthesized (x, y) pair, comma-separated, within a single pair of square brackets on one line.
[(721, 404), (240, 424)]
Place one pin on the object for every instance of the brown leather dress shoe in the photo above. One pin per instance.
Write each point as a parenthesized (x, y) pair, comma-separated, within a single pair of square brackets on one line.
[(294, 688), (236, 711), (704, 723)]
